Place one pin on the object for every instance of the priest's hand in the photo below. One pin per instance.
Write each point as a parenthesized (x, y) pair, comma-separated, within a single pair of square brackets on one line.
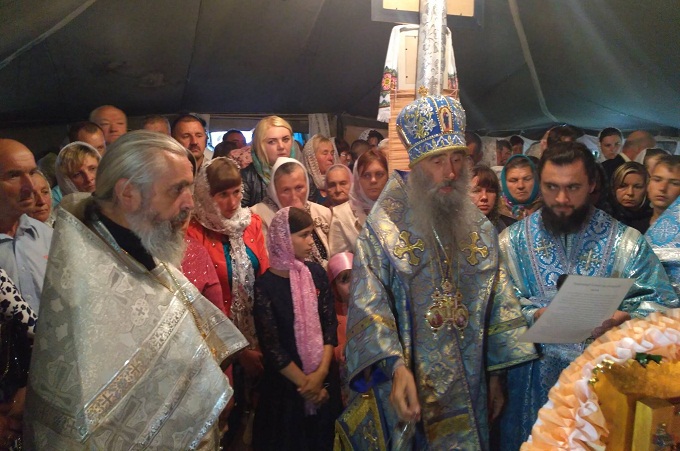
[(251, 360), (496, 397), (618, 318), (404, 396), (538, 313)]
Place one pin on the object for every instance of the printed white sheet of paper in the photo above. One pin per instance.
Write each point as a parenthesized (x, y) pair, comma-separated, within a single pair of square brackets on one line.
[(581, 305)]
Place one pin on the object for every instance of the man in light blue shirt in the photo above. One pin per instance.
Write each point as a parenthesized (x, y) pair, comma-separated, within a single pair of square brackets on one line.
[(24, 241)]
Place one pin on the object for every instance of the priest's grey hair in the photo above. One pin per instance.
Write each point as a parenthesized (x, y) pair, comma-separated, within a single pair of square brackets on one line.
[(137, 156)]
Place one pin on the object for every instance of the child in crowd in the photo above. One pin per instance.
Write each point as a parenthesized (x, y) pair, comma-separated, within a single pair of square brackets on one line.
[(297, 330), (340, 273)]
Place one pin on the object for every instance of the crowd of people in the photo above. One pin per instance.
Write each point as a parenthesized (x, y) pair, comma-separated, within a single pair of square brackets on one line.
[(274, 295)]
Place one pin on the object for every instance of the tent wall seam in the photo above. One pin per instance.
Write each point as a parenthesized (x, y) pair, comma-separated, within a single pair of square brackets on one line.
[(61, 24), (514, 10), (187, 76)]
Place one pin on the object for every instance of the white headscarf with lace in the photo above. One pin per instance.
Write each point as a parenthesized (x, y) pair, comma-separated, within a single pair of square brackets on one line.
[(312, 164), (65, 183), (208, 214)]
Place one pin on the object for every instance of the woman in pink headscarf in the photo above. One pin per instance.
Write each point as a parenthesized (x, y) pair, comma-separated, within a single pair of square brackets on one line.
[(296, 327)]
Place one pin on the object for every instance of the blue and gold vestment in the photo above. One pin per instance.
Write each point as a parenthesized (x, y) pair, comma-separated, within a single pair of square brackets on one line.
[(396, 272), (535, 258), (664, 237)]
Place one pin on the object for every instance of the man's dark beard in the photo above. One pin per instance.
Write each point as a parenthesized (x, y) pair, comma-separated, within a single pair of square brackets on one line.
[(559, 225)]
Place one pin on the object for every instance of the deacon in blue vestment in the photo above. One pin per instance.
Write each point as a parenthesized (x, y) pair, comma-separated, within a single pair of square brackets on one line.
[(431, 310), (569, 236)]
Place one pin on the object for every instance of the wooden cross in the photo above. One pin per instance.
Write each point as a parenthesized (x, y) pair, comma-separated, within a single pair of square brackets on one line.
[(474, 249), (409, 248), (588, 259)]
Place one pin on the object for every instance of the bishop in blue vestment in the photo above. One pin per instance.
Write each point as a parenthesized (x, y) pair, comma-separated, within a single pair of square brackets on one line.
[(428, 296)]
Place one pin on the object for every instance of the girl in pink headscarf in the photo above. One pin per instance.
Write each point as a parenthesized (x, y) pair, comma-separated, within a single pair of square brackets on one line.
[(296, 327), (339, 274)]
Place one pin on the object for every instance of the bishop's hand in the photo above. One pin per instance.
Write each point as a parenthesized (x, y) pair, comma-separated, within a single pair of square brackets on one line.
[(404, 396)]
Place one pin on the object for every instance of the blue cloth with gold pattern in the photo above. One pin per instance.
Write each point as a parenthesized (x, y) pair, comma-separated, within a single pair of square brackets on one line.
[(431, 124), (395, 274), (664, 237), (535, 258)]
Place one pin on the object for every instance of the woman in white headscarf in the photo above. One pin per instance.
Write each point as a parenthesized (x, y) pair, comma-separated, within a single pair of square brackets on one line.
[(76, 170), (318, 156), (289, 187), (369, 178)]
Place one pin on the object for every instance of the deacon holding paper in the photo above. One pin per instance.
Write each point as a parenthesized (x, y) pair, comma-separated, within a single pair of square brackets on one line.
[(570, 236)]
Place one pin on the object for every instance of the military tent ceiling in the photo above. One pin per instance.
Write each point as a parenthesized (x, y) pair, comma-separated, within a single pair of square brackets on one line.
[(530, 63)]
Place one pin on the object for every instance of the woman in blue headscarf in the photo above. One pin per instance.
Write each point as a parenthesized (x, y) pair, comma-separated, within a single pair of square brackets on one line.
[(519, 183)]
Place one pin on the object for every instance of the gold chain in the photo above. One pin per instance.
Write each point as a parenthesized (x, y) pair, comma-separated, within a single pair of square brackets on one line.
[(448, 261)]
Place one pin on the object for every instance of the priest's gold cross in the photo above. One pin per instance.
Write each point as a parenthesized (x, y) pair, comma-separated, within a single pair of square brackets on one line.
[(474, 249), (588, 259), (544, 245), (409, 248)]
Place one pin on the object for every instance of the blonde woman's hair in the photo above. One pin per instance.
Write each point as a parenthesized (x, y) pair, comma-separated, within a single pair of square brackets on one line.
[(259, 135)]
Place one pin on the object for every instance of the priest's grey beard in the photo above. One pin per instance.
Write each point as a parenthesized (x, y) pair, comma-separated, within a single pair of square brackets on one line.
[(448, 213), (163, 239)]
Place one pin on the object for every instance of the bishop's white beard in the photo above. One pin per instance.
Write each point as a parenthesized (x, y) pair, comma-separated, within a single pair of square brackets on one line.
[(163, 239), (447, 213)]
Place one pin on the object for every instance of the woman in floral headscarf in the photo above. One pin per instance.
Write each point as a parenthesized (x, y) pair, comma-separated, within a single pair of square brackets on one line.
[(318, 156), (289, 187), (369, 178), (520, 186), (233, 237), (296, 326)]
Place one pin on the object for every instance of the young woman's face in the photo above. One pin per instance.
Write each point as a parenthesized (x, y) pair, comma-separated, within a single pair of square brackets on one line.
[(373, 180), (631, 191), (228, 201), (277, 143), (302, 243), (483, 198), (610, 146)]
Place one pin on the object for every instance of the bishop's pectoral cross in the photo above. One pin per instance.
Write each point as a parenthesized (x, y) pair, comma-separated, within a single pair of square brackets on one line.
[(447, 309)]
